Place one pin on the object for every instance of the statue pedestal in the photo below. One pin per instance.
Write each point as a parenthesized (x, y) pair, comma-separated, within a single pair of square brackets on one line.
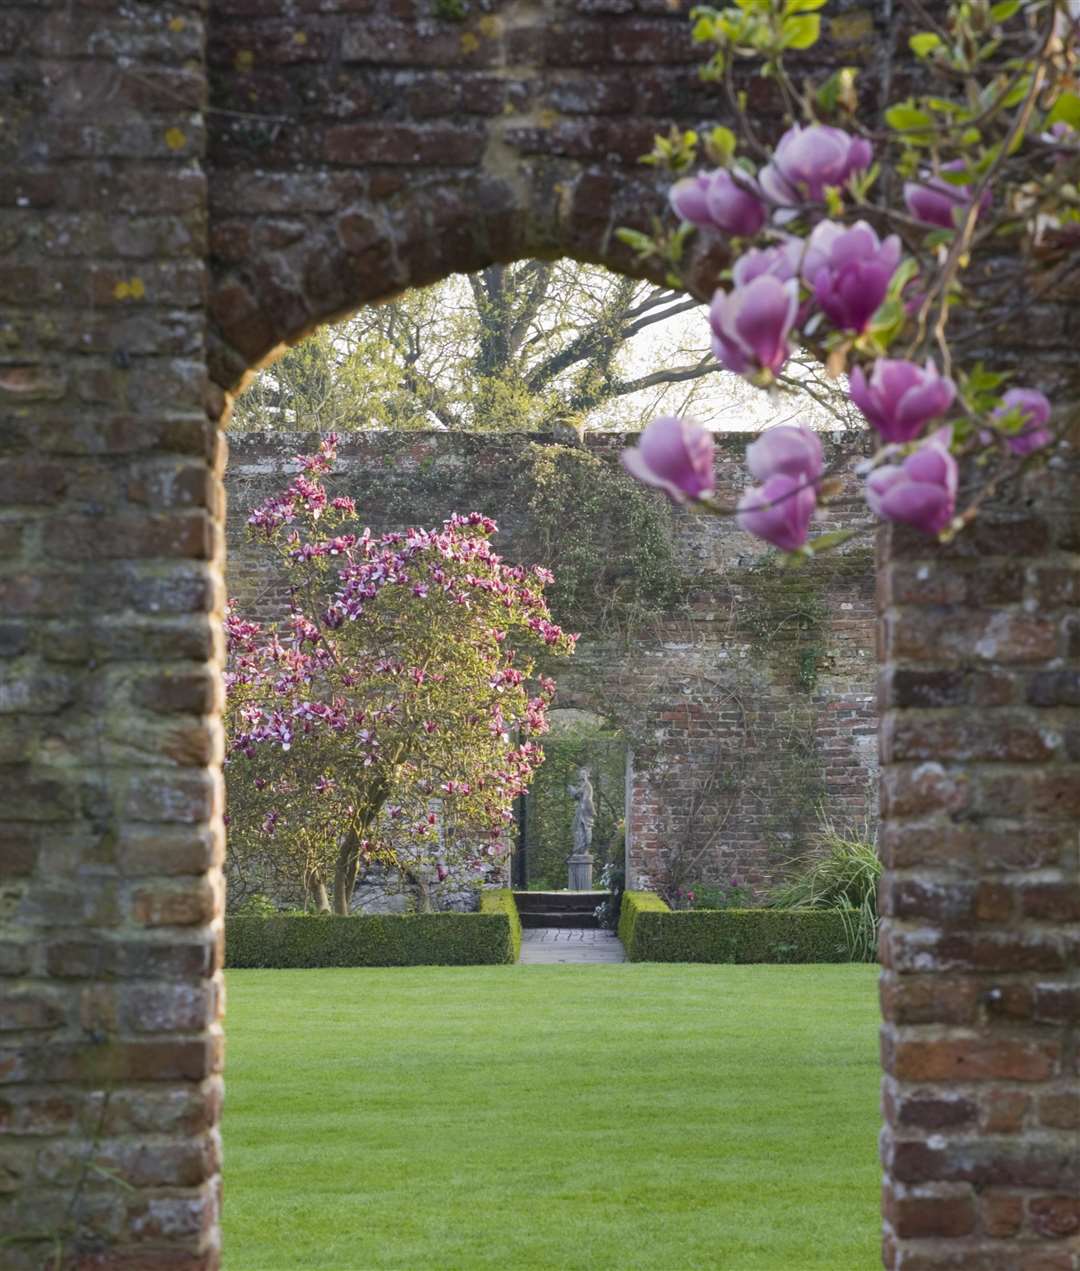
[(581, 864)]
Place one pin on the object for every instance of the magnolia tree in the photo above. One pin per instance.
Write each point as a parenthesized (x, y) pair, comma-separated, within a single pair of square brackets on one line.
[(393, 716), (857, 241)]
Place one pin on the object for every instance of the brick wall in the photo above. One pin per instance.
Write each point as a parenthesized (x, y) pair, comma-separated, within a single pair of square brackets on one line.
[(737, 738), (981, 797), (110, 599), (332, 179)]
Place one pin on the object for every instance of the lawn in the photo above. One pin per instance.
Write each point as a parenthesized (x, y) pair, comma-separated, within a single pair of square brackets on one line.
[(562, 1117)]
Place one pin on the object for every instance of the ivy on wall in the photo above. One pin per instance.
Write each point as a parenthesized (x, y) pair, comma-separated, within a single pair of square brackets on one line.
[(609, 541)]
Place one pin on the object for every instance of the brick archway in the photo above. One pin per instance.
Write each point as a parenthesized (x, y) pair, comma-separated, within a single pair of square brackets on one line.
[(152, 252)]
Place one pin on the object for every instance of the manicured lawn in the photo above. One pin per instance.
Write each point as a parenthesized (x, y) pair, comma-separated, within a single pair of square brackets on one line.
[(608, 1117)]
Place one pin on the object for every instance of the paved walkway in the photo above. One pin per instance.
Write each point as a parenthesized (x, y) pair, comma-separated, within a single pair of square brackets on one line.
[(570, 944)]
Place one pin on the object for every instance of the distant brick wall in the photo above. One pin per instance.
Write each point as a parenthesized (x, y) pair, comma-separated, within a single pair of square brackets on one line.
[(145, 242), (716, 717)]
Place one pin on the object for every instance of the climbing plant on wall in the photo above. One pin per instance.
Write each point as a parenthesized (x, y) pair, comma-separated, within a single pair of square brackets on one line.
[(609, 543)]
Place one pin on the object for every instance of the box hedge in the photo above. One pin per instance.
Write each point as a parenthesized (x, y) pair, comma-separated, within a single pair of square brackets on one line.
[(445, 939), (651, 932)]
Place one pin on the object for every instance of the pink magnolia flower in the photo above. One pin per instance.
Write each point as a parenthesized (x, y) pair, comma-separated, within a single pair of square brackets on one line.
[(900, 398), (778, 511), (675, 455), (935, 201), (781, 261), (791, 449), (921, 491), (807, 160), (750, 325), (849, 271), (716, 200), (1035, 410)]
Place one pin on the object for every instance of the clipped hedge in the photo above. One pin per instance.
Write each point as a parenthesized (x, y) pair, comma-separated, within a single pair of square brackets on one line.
[(652, 932), (446, 939), (633, 904), (501, 901)]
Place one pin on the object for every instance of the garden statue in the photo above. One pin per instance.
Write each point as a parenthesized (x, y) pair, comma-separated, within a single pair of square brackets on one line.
[(581, 861)]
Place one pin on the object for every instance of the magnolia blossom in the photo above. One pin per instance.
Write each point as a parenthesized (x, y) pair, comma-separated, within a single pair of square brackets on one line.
[(935, 201), (1035, 410), (808, 160), (750, 326), (849, 271), (675, 455), (921, 491), (778, 511), (790, 449), (781, 261), (900, 397), (715, 200)]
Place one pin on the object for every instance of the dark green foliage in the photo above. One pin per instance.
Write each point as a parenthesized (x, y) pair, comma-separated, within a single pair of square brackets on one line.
[(613, 877), (444, 939), (608, 539), (550, 814), (653, 933)]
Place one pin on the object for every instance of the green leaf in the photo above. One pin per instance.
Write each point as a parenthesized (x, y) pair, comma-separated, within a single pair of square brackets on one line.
[(637, 240), (839, 90), (908, 119), (803, 6), (957, 176), (923, 44), (801, 33), (1017, 94), (1004, 11), (1065, 109), (720, 146), (828, 542), (703, 30)]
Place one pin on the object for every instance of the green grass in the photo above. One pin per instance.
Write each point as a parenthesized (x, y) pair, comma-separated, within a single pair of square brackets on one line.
[(556, 1117)]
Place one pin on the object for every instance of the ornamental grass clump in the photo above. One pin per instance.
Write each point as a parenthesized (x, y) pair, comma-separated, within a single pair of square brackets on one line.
[(841, 872)]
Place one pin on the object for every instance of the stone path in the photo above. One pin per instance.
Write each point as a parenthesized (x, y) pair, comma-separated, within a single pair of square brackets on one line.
[(579, 945)]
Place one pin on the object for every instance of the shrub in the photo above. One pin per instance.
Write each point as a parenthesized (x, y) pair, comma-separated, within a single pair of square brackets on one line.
[(840, 873), (445, 939), (635, 903), (652, 932), (501, 901)]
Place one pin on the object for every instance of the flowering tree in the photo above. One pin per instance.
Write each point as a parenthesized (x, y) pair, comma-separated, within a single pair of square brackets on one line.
[(393, 715), (858, 242)]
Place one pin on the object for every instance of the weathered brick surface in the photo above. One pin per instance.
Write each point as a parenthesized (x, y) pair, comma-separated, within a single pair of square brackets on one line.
[(358, 147), (980, 988), (110, 589)]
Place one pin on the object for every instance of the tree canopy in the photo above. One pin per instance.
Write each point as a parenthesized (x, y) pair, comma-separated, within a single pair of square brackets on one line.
[(519, 347)]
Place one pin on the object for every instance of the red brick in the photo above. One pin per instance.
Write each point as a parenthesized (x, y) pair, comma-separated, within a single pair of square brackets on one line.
[(1060, 1109), (30, 1010), (1003, 1111), (175, 905), (975, 1059), (1001, 1214), (920, 1217), (1055, 1216)]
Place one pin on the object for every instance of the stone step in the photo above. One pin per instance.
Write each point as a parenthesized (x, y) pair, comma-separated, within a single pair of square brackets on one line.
[(558, 901), (557, 918)]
